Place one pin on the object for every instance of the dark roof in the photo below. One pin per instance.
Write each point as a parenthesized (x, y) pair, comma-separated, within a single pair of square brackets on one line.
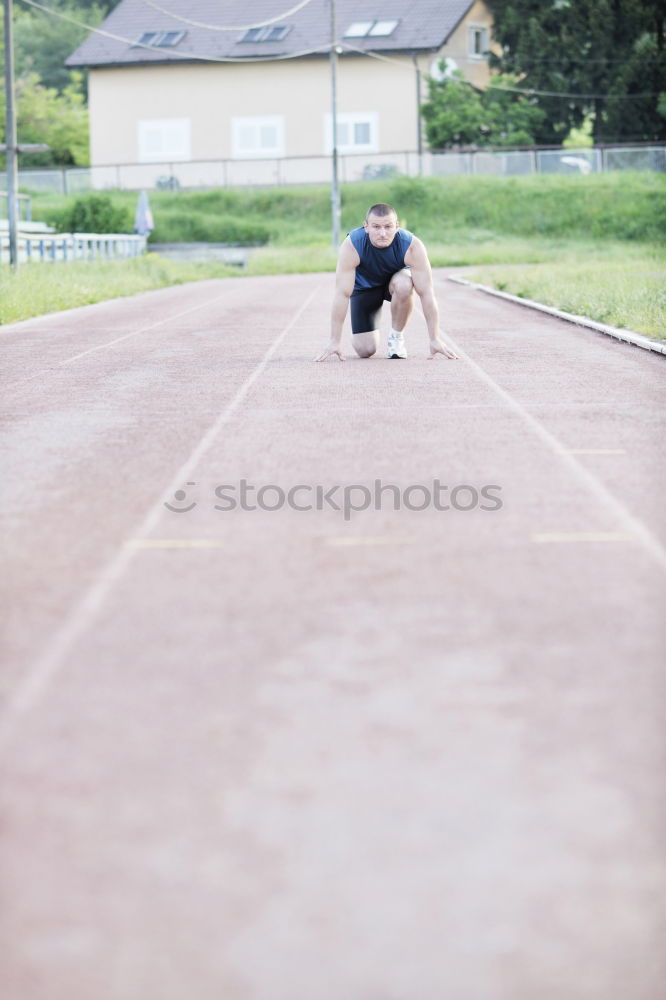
[(424, 26)]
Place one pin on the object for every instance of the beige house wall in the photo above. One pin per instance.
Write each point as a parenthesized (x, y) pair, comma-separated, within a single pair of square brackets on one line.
[(475, 69), (298, 91), (210, 96)]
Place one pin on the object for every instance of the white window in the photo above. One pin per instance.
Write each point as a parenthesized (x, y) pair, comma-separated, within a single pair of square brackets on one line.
[(478, 42), (358, 132), (163, 139), (270, 33), (362, 29), (253, 138), (383, 28), (358, 29), (160, 39)]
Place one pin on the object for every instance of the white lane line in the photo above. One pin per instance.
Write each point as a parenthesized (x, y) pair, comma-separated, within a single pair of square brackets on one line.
[(627, 521), (20, 382), (368, 540), (583, 536), (144, 329), (175, 543), (45, 668), (628, 336), (591, 451)]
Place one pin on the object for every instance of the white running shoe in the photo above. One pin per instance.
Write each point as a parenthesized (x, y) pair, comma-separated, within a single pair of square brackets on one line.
[(396, 346)]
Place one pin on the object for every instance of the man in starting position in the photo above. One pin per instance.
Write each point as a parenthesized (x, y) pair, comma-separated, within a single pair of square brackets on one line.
[(377, 262)]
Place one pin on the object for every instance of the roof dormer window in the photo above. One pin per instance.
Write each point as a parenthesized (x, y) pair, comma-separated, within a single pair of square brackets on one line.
[(160, 39), (383, 28), (269, 33), (359, 29), (371, 29)]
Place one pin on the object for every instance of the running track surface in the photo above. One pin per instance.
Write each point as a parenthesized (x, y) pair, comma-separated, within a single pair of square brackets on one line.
[(284, 755)]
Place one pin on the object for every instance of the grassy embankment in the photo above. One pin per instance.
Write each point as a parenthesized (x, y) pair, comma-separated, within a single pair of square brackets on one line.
[(590, 245)]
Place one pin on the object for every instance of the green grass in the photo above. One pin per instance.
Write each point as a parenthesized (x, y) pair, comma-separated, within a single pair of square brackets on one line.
[(40, 288), (624, 206), (291, 260), (624, 286), (589, 245), (616, 283)]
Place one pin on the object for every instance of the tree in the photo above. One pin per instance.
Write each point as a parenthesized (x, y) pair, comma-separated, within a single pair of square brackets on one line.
[(457, 114), (610, 52), (42, 43), (51, 108), (59, 120), (516, 117), (453, 113)]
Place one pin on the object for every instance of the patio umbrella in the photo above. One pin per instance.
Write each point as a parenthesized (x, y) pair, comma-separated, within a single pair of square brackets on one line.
[(143, 218)]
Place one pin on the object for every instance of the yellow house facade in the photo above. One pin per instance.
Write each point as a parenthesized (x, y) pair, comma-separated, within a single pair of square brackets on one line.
[(267, 116)]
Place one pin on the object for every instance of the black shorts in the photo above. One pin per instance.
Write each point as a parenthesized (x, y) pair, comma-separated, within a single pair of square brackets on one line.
[(365, 306)]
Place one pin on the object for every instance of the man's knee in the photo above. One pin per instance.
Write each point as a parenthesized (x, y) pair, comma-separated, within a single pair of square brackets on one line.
[(401, 288), (365, 344)]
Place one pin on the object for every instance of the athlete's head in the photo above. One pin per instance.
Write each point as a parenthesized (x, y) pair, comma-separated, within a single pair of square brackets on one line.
[(381, 225)]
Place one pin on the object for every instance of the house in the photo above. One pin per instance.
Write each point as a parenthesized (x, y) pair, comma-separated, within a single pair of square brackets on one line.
[(216, 92)]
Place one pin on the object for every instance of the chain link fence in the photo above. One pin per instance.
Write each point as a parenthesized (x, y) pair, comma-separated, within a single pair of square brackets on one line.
[(358, 167)]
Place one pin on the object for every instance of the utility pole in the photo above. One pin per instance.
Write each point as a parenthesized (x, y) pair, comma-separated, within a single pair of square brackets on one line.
[(11, 145), (419, 127), (335, 188)]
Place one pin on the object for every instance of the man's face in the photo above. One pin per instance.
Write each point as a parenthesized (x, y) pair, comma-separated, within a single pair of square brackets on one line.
[(381, 229)]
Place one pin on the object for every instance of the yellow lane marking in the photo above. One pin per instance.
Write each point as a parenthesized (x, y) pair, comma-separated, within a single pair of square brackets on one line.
[(174, 543), (590, 451), (583, 536), (368, 540)]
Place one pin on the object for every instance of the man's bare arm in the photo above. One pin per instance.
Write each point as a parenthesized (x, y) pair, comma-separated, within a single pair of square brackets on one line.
[(417, 259), (348, 260)]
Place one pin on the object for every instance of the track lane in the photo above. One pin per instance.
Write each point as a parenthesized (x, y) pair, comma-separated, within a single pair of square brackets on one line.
[(286, 737)]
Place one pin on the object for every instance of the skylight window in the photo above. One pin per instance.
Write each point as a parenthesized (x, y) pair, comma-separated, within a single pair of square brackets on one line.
[(359, 29), (160, 39), (269, 33), (371, 29), (170, 38), (383, 28)]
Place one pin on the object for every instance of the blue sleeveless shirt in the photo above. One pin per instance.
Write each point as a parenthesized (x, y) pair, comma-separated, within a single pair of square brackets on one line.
[(378, 264)]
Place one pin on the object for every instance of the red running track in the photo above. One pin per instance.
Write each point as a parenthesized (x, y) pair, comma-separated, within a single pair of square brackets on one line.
[(407, 754)]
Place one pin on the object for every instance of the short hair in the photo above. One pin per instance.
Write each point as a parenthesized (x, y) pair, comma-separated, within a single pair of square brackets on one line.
[(381, 209)]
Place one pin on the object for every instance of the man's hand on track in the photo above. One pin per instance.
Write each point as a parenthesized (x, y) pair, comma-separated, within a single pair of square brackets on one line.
[(439, 347), (331, 350)]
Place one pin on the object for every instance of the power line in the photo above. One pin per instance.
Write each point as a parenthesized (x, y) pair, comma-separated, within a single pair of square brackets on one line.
[(219, 27), (529, 91)]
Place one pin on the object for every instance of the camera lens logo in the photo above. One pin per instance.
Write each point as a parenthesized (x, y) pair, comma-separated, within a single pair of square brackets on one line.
[(180, 496)]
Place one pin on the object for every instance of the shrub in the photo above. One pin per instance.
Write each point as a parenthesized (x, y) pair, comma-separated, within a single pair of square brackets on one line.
[(200, 227), (94, 213)]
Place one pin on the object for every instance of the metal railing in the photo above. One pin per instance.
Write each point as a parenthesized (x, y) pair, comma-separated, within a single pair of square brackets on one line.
[(284, 171), (74, 246), (24, 208)]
